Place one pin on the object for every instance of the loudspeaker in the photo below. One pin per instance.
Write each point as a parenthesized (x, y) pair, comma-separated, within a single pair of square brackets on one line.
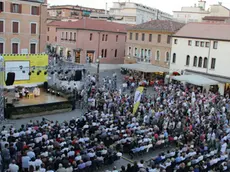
[(10, 78), (78, 75), (45, 85)]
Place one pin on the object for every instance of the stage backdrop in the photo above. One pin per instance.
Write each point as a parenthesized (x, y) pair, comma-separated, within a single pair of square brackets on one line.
[(21, 65)]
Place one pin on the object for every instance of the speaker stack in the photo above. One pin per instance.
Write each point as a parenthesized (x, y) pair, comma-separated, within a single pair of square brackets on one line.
[(10, 78), (78, 75)]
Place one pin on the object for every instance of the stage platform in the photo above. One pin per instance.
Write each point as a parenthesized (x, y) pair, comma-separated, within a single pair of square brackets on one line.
[(44, 104), (44, 98)]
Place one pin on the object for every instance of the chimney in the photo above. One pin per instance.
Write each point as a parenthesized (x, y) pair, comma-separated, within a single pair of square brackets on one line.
[(106, 8)]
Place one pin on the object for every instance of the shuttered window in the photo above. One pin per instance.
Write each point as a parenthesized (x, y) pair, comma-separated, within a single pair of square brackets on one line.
[(15, 48), (34, 10), (33, 28), (15, 27), (1, 26), (16, 8), (1, 48), (32, 48), (1, 6)]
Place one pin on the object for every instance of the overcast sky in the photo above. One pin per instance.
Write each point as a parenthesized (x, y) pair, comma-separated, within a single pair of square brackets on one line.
[(164, 5)]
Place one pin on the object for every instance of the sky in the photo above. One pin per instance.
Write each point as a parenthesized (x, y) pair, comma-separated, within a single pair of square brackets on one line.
[(163, 5)]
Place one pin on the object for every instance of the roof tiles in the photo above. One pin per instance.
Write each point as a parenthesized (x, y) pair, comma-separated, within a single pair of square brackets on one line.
[(216, 31), (159, 26), (91, 24)]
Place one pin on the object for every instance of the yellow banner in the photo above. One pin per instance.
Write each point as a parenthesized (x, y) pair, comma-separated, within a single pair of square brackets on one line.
[(137, 98)]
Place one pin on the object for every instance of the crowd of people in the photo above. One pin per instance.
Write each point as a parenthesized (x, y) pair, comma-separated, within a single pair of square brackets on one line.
[(196, 123)]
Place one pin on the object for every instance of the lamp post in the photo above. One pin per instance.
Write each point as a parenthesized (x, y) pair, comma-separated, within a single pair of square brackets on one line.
[(98, 70)]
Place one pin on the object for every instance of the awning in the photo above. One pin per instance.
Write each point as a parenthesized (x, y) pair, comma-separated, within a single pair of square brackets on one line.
[(147, 68), (196, 80)]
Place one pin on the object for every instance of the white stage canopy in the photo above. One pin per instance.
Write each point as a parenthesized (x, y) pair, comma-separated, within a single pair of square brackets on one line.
[(147, 68), (196, 80)]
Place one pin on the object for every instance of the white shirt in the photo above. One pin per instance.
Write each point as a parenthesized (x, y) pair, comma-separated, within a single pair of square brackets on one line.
[(13, 168)]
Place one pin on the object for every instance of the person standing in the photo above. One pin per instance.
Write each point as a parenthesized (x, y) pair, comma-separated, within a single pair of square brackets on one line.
[(13, 167), (6, 156)]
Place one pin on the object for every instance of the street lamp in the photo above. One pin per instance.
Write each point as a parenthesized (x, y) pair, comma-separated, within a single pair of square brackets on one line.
[(98, 70)]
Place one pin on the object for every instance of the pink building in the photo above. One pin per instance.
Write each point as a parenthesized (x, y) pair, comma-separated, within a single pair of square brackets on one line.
[(23, 26), (88, 39)]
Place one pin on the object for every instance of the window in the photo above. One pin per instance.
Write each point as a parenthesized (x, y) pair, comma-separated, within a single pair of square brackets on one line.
[(213, 63), (197, 43), (66, 35), (158, 55), (159, 38), (137, 36), (207, 44), (200, 62), (143, 37), (1, 6), (115, 54), (70, 37), (187, 60), (168, 39), (15, 27), (130, 36), (62, 35), (34, 10), (146, 53), (16, 8), (55, 39), (129, 51), (33, 28), (167, 57), (1, 48), (149, 53), (189, 42), (48, 38), (103, 37), (202, 44), (48, 28), (150, 37), (106, 37), (136, 52), (32, 48), (74, 36), (1, 26), (15, 48), (175, 41), (116, 38), (195, 61), (215, 45), (205, 65), (105, 55), (174, 58), (102, 53), (142, 53)]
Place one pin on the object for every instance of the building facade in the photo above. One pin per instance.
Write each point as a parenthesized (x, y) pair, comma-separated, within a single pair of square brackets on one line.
[(134, 13), (151, 42), (23, 26), (88, 39), (202, 48), (71, 11), (197, 12)]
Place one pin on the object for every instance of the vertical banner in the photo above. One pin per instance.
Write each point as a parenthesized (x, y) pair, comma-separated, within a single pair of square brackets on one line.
[(137, 98)]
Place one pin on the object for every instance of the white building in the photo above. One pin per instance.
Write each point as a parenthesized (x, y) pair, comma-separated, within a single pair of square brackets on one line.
[(197, 12), (133, 13), (203, 49)]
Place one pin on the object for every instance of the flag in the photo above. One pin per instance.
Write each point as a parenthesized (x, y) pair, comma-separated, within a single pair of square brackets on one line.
[(137, 98)]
